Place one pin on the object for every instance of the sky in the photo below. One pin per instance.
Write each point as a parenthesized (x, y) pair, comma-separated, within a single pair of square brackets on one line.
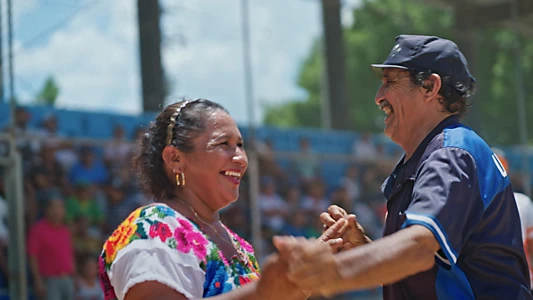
[(91, 49)]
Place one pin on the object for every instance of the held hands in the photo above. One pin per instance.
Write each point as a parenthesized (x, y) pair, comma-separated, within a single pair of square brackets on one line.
[(352, 236), (311, 264), (274, 283)]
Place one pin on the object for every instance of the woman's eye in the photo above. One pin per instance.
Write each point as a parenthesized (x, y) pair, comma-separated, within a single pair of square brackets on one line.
[(240, 145)]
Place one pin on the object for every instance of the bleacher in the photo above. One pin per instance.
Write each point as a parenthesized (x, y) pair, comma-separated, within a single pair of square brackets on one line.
[(99, 125)]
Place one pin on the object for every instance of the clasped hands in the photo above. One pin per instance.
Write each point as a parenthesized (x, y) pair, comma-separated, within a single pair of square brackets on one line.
[(311, 264)]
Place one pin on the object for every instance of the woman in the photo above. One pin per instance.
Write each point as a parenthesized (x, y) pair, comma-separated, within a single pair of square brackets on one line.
[(191, 161)]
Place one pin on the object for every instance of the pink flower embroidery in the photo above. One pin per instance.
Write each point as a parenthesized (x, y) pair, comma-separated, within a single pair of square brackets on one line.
[(244, 244), (223, 258), (187, 238), (161, 230)]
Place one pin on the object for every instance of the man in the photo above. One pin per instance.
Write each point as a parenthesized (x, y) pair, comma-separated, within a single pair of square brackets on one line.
[(452, 230), (525, 210)]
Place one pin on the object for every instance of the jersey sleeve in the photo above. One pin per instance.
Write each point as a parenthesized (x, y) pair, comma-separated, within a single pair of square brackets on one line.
[(446, 200)]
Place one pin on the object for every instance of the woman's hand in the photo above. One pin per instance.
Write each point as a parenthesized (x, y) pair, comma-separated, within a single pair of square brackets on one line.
[(352, 235)]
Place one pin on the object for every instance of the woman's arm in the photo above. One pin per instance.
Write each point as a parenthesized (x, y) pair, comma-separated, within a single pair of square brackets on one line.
[(155, 290)]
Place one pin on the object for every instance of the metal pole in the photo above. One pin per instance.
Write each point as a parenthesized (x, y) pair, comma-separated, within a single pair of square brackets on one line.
[(521, 104), (325, 112), (10, 49), (253, 163), (18, 288), (2, 95)]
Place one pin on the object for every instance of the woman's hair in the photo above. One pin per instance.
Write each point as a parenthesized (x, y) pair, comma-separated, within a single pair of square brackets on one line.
[(454, 94), (177, 125)]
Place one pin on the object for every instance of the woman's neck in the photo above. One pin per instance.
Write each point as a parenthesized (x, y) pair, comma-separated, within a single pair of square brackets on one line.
[(193, 207)]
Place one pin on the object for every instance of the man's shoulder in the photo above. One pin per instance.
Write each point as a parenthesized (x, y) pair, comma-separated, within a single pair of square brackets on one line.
[(461, 139)]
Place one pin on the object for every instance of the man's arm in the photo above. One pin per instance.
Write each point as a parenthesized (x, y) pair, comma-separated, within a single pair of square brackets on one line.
[(387, 260)]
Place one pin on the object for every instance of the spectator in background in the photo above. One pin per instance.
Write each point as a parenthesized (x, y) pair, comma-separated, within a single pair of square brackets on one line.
[(44, 189), (119, 204), (117, 152), (83, 204), (351, 182), (364, 148), (267, 162), (315, 201), (298, 225), (26, 142), (54, 139), (306, 163), (293, 197), (87, 285), (273, 208), (87, 241), (88, 169), (47, 162), (51, 254)]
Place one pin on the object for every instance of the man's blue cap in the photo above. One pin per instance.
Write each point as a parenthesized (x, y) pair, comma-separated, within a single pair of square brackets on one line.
[(429, 53)]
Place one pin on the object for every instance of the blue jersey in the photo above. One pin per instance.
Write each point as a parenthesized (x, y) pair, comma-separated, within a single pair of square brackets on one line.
[(456, 187)]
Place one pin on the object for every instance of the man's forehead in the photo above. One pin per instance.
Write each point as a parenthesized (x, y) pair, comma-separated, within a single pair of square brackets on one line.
[(391, 73)]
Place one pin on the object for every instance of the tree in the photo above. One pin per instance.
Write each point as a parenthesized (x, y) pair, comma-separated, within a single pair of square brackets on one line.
[(49, 92), (370, 39)]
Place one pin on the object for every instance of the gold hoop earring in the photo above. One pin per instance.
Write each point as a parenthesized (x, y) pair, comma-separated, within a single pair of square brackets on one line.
[(182, 179), (178, 183)]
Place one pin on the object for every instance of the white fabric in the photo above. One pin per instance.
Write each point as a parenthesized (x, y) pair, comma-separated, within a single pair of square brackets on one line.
[(152, 260), (525, 210)]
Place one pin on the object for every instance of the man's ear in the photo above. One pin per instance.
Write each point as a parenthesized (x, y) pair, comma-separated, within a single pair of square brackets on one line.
[(173, 158), (431, 87)]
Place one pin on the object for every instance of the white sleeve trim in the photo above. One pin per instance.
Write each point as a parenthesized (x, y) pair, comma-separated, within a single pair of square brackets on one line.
[(437, 231), (152, 260)]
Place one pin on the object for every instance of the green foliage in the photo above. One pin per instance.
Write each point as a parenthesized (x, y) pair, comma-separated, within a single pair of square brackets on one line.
[(49, 92), (369, 40)]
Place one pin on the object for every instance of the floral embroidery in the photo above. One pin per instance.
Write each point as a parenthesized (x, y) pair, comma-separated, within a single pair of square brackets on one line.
[(244, 244), (160, 230), (188, 239), (160, 221), (121, 237)]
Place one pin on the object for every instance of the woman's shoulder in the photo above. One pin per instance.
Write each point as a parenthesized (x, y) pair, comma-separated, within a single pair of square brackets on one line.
[(160, 225)]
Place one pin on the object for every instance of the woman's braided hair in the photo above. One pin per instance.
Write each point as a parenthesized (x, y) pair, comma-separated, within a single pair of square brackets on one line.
[(177, 125)]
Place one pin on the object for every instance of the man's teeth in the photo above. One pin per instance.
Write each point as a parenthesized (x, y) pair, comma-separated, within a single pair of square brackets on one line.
[(385, 107), (232, 173)]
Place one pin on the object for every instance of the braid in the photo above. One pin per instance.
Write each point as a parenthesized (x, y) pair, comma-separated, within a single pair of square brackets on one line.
[(173, 119)]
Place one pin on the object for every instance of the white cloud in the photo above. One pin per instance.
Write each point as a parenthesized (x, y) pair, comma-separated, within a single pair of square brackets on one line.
[(95, 58), (95, 68), (211, 64)]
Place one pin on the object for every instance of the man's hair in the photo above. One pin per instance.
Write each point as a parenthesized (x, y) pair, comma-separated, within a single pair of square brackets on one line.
[(455, 96)]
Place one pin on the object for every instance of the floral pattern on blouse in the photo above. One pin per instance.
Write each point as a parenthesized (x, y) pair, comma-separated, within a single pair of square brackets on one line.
[(158, 221)]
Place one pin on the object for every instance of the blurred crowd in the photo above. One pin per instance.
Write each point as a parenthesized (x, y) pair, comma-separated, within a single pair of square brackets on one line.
[(77, 193)]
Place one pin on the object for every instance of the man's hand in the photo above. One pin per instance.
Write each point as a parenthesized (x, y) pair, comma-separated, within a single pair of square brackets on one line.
[(333, 235), (311, 265), (353, 235)]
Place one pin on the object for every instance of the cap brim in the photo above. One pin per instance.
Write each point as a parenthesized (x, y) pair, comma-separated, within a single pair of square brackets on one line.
[(378, 69)]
